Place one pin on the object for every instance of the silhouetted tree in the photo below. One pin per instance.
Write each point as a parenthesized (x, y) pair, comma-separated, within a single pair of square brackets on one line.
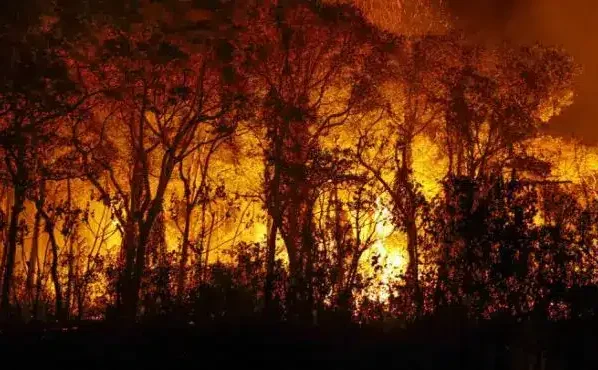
[(310, 65), (37, 95), (385, 147), (163, 102)]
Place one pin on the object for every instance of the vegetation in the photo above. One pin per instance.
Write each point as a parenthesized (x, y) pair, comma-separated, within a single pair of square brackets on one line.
[(224, 161)]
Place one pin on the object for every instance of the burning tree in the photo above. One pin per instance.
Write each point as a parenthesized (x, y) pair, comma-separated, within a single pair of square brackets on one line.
[(385, 146), (37, 98), (138, 102), (310, 65), (496, 101), (163, 101)]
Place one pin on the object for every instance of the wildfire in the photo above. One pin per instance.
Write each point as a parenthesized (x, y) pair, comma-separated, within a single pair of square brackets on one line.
[(196, 148), (390, 256)]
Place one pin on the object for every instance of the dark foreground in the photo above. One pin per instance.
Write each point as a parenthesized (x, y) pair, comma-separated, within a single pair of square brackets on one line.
[(491, 346)]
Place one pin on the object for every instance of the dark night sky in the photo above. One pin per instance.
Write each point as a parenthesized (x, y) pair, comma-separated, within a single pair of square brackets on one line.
[(572, 24)]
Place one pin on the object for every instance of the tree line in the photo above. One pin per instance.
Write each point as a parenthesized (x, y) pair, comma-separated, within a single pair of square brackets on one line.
[(123, 120)]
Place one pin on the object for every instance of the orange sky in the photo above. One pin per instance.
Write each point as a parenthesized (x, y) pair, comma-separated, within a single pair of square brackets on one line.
[(570, 24)]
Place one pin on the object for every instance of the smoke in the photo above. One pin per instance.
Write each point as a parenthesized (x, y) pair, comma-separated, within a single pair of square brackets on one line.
[(570, 24), (403, 16)]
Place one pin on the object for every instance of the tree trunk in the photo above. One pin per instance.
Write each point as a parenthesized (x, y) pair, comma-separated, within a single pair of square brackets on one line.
[(49, 228), (144, 234), (339, 241), (300, 248), (275, 218), (209, 243), (72, 236), (8, 201), (70, 279), (11, 248), (125, 280), (80, 304), (56, 277), (54, 266), (270, 261), (202, 240), (440, 298), (310, 260), (33, 256), (413, 267), (410, 222), (131, 298), (39, 282), (182, 277)]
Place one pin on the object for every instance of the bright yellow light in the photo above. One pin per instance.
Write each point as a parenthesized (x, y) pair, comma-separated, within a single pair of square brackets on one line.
[(389, 247)]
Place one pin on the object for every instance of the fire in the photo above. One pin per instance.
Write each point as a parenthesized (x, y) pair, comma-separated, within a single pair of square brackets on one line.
[(389, 251), (404, 17), (192, 185)]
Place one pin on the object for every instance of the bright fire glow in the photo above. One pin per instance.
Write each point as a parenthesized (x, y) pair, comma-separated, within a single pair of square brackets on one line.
[(390, 251)]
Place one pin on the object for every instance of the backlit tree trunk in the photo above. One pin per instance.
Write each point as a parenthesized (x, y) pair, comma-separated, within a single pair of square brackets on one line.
[(33, 256), (11, 247), (54, 273), (50, 229), (182, 273), (410, 221), (291, 206), (270, 262)]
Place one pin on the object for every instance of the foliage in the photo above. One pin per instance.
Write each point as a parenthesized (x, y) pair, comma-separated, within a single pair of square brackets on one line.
[(240, 160)]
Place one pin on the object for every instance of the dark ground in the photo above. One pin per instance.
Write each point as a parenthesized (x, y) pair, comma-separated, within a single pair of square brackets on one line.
[(492, 346)]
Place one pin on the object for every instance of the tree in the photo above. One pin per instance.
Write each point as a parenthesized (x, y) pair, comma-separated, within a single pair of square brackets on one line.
[(37, 95), (497, 100), (347, 226), (200, 191), (494, 106), (164, 100), (385, 145), (310, 65)]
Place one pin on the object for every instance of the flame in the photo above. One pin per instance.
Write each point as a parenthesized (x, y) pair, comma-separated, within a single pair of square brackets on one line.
[(572, 161), (389, 249), (404, 17)]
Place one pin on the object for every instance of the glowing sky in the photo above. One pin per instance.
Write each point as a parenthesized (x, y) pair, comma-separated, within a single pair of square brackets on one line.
[(571, 24)]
